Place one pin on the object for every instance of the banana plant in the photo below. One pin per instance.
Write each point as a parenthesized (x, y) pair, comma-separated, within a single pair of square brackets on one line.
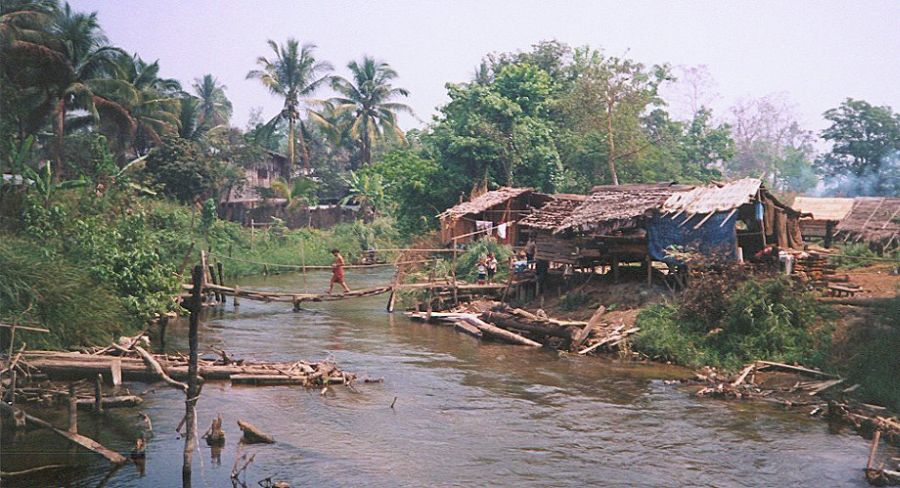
[(41, 181)]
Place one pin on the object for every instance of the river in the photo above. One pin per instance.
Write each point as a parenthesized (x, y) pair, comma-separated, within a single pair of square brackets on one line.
[(467, 413)]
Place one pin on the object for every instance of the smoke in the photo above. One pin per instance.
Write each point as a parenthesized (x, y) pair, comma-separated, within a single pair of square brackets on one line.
[(885, 182)]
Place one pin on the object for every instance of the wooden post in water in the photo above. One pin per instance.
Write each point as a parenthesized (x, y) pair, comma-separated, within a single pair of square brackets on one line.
[(12, 387), (193, 390), (221, 269), (73, 410), (453, 275), (98, 394), (235, 300), (115, 369)]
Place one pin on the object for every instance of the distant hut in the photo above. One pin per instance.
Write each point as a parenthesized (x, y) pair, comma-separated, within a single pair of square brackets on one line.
[(542, 223), (821, 215), (244, 203), (875, 220), (495, 212)]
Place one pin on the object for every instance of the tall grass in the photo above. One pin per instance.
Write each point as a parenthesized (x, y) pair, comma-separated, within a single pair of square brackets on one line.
[(76, 308)]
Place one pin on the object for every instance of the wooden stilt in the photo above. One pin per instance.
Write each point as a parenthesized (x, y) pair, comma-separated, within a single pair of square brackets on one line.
[(236, 299), (73, 410), (98, 394)]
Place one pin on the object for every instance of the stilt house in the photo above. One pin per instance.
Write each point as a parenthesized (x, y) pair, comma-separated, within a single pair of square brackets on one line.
[(495, 213)]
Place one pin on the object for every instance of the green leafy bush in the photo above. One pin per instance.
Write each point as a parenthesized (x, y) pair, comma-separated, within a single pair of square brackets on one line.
[(765, 319)]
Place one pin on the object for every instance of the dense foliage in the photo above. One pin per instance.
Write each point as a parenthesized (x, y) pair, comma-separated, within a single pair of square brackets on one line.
[(757, 319)]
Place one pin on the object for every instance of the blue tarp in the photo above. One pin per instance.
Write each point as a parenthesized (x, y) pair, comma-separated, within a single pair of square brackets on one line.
[(712, 238)]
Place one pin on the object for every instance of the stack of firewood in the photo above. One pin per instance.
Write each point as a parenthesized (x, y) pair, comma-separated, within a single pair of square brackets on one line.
[(816, 271)]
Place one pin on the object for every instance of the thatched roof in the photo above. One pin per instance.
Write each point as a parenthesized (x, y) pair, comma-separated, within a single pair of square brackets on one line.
[(485, 201), (612, 207), (874, 219), (824, 208), (554, 212), (713, 198)]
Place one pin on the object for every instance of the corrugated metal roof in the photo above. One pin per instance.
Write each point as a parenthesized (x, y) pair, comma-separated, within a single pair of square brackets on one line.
[(823, 208), (713, 198)]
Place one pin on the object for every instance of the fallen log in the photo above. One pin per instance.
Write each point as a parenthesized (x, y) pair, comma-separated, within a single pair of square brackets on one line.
[(467, 328), (584, 333), (498, 333), (154, 365), (252, 434), (85, 442), (614, 338), (121, 401), (506, 320), (799, 369)]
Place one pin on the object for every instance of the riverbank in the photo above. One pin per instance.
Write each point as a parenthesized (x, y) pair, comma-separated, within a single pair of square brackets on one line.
[(91, 268), (466, 412)]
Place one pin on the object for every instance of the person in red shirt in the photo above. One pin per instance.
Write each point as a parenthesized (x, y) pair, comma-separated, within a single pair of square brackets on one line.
[(337, 271)]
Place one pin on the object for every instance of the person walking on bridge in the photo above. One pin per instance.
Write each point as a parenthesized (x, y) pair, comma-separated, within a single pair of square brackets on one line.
[(337, 272)]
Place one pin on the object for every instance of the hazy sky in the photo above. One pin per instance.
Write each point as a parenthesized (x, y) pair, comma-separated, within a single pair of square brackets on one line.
[(816, 52)]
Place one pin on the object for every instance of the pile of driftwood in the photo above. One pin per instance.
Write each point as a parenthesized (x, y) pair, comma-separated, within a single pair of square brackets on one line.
[(500, 322), (137, 364), (798, 386)]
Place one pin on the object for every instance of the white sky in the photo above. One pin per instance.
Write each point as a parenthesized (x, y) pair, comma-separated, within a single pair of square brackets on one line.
[(816, 52)]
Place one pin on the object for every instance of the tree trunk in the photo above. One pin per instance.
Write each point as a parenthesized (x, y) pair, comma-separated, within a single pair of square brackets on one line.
[(60, 137), (610, 135), (291, 151), (304, 152)]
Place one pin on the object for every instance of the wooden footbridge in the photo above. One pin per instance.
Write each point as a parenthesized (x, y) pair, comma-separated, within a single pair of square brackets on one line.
[(213, 285)]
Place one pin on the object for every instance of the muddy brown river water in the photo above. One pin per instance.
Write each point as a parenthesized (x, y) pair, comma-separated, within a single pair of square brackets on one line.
[(467, 413)]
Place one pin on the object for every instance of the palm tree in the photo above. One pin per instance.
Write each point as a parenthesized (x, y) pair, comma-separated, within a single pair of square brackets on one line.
[(214, 107), (293, 74), (152, 103), (368, 99), (64, 60)]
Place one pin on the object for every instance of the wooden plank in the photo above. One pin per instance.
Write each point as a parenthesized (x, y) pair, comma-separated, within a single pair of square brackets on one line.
[(583, 334)]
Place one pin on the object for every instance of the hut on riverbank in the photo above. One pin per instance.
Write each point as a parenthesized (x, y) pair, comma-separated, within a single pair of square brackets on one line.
[(542, 223), (720, 219), (823, 215), (495, 212), (875, 220)]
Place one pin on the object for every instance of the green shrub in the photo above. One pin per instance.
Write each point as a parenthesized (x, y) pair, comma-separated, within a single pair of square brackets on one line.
[(875, 361), (854, 256), (767, 319)]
